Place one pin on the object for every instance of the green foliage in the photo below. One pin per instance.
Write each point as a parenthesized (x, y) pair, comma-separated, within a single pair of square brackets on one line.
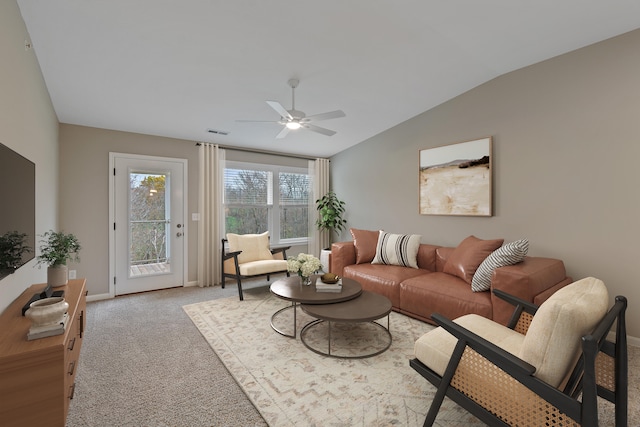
[(12, 247), (147, 220), (330, 210), (248, 202), (57, 248)]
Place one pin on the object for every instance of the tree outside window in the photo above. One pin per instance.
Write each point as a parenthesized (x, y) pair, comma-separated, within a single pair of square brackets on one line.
[(259, 198), (148, 216)]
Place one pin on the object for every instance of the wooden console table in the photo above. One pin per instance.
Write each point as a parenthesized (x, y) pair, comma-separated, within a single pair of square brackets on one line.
[(37, 377)]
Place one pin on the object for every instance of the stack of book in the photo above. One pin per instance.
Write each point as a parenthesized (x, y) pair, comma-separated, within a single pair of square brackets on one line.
[(43, 331), (329, 287)]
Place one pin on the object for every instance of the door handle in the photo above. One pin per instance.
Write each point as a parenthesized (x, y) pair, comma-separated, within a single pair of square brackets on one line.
[(178, 234)]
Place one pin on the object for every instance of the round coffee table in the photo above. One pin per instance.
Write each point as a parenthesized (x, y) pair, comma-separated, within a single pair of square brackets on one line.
[(367, 307), (290, 289)]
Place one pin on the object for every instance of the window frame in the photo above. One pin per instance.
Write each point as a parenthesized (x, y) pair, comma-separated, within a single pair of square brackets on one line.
[(273, 202)]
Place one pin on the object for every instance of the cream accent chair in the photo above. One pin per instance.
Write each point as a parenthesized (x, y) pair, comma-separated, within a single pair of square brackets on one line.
[(532, 372), (250, 256)]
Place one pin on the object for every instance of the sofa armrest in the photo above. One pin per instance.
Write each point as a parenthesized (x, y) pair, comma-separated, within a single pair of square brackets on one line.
[(342, 255), (525, 280)]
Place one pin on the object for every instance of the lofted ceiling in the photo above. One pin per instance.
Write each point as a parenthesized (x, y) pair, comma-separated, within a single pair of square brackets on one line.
[(178, 68)]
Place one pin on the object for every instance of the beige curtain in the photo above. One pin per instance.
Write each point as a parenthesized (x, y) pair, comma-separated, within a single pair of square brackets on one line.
[(319, 171), (210, 229)]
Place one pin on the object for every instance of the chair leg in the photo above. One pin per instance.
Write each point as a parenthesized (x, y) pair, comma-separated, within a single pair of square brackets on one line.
[(222, 281), (622, 368), (444, 383), (240, 289)]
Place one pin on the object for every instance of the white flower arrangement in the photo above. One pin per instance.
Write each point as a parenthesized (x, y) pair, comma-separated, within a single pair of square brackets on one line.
[(304, 265)]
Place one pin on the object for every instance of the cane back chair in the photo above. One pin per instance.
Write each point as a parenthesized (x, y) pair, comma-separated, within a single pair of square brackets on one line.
[(249, 255), (546, 368)]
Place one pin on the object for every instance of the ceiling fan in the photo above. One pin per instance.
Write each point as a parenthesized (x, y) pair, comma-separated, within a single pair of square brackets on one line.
[(295, 119)]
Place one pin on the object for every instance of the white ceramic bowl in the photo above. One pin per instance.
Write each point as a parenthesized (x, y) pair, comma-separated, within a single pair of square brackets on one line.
[(47, 311)]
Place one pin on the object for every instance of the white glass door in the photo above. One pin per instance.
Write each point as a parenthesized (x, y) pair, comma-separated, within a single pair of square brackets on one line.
[(148, 230)]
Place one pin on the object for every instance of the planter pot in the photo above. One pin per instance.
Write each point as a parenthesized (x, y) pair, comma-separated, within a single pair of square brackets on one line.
[(325, 259), (57, 276), (47, 311)]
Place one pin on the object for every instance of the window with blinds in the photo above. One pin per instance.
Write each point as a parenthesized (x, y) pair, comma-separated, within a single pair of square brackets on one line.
[(259, 198)]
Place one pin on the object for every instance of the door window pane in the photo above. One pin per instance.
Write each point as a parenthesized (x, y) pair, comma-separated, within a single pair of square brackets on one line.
[(148, 223)]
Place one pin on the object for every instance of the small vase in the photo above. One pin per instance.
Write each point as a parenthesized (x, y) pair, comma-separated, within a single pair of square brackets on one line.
[(47, 311), (305, 280)]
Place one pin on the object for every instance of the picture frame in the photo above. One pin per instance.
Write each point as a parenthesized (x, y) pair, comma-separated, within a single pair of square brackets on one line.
[(456, 179)]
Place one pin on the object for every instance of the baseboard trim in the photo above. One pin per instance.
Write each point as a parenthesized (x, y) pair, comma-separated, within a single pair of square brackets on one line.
[(98, 297)]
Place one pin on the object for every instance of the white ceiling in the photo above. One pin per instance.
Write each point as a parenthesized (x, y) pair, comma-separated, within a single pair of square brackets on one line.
[(176, 68)]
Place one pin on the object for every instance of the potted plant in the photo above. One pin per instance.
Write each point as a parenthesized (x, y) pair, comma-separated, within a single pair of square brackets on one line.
[(330, 212), (56, 249)]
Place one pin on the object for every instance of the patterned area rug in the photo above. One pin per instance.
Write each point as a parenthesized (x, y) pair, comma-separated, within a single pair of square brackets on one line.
[(292, 386)]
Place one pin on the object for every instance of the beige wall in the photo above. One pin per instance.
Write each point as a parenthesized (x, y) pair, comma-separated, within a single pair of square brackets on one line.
[(84, 192), (29, 126), (565, 156)]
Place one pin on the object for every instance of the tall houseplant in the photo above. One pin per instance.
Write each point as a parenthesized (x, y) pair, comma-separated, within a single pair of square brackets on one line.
[(55, 250), (330, 212)]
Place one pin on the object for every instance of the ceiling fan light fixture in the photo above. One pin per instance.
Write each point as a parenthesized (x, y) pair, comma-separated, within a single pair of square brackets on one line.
[(295, 119)]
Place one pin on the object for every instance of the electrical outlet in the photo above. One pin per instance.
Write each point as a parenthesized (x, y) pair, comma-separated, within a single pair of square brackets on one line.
[(72, 274)]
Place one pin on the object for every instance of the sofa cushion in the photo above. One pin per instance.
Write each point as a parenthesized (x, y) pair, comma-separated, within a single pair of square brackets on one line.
[(554, 337), (468, 255), (365, 242), (254, 247), (397, 249), (382, 279), (509, 254), (438, 292)]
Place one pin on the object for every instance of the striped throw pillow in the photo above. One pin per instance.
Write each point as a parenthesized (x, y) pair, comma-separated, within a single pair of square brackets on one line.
[(509, 254), (397, 249)]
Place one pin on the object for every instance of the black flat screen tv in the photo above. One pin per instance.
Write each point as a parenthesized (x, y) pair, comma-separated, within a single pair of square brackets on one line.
[(17, 211)]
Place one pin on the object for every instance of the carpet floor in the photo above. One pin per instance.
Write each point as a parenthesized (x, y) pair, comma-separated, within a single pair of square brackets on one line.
[(143, 363)]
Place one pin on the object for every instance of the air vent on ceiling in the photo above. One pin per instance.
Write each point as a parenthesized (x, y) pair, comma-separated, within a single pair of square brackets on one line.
[(218, 132)]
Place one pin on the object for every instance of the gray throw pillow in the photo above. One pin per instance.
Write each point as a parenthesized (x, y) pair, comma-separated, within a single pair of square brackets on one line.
[(509, 254)]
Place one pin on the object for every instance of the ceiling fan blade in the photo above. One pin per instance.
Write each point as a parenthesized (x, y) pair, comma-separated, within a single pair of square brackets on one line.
[(325, 116), (318, 129), (258, 121), (280, 109), (283, 133)]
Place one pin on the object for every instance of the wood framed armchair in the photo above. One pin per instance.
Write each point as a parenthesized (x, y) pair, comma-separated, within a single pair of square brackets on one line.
[(249, 255), (546, 368)]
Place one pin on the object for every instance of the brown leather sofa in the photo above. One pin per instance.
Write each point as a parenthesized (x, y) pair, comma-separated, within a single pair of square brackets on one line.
[(426, 290)]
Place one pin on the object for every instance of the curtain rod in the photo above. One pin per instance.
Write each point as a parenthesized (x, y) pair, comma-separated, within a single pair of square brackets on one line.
[(252, 150)]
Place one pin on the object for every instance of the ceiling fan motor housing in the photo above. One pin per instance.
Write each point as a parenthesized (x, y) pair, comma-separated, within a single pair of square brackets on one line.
[(297, 114)]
